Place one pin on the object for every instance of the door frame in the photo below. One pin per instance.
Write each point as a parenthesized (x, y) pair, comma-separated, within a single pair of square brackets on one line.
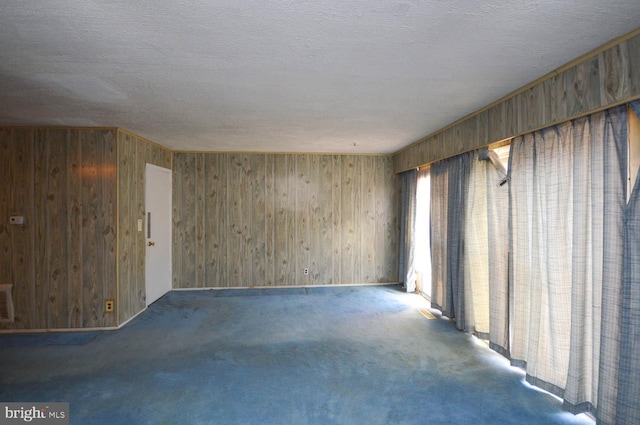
[(161, 287)]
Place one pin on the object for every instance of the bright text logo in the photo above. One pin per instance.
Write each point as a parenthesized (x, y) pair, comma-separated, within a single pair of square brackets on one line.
[(38, 413)]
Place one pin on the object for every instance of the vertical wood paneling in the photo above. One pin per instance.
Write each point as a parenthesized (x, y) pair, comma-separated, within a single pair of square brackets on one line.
[(179, 211), (133, 153), (41, 154), (223, 222), (127, 226), (63, 261), (436, 145), (184, 223), (136, 190), (200, 222), (20, 254), (108, 183), (270, 221), (529, 108), (7, 174), (74, 229), (368, 220), (235, 249), (302, 207), (247, 222), (258, 221), (281, 213), (384, 195), (601, 80), (55, 217), (553, 97), (614, 66), (483, 128), (91, 248), (281, 246), (292, 221), (391, 221), (633, 47), (357, 218), (24, 261), (338, 211), (315, 222), (347, 225), (327, 211), (211, 225), (581, 89)]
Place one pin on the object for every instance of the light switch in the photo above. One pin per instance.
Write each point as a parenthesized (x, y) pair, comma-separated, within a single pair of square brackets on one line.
[(140, 225)]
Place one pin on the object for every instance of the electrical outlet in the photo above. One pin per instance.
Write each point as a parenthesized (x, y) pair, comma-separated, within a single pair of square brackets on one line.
[(305, 271), (16, 220), (108, 306)]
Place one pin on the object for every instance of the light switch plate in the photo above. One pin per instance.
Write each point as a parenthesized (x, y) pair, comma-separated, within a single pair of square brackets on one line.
[(139, 225)]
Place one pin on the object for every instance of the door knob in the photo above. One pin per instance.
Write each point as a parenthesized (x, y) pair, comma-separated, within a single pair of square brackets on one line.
[(151, 243)]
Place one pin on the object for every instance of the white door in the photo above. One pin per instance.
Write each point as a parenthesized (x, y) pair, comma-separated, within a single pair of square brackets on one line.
[(158, 227)]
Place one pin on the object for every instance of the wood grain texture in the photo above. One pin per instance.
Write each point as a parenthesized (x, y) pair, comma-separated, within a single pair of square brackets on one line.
[(17, 265), (601, 80), (133, 153), (336, 202), (6, 209), (269, 216), (74, 229), (200, 220), (326, 211), (270, 194), (23, 238), (92, 254), (127, 226), (80, 245), (62, 261), (633, 47), (108, 216)]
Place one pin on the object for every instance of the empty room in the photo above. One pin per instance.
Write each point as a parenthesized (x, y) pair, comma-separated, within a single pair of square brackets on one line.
[(332, 212)]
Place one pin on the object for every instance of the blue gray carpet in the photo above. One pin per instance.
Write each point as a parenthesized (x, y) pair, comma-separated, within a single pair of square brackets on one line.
[(358, 355)]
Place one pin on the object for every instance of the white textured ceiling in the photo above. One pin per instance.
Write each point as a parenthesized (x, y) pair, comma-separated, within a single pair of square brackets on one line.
[(364, 76)]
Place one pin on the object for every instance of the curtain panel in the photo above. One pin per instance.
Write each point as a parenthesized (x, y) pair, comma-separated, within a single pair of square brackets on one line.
[(469, 244), (449, 183), (406, 269), (567, 195), (627, 410), (423, 233)]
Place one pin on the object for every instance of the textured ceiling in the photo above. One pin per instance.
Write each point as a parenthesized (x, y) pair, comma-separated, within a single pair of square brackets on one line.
[(337, 76)]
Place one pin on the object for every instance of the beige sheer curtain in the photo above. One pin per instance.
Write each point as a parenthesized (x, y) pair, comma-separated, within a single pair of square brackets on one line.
[(469, 248), (626, 392), (406, 269), (449, 183), (567, 195), (423, 232)]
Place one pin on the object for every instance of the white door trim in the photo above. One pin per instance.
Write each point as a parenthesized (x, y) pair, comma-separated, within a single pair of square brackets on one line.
[(158, 207)]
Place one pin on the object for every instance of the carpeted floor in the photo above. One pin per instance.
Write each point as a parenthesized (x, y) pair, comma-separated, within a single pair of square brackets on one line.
[(348, 355)]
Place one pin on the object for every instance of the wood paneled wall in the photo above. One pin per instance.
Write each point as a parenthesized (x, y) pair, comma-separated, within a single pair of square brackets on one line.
[(245, 220), (133, 153), (62, 262), (598, 81)]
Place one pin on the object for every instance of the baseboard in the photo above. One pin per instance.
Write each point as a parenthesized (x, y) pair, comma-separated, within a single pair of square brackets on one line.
[(341, 285), (57, 330), (113, 328), (132, 317)]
